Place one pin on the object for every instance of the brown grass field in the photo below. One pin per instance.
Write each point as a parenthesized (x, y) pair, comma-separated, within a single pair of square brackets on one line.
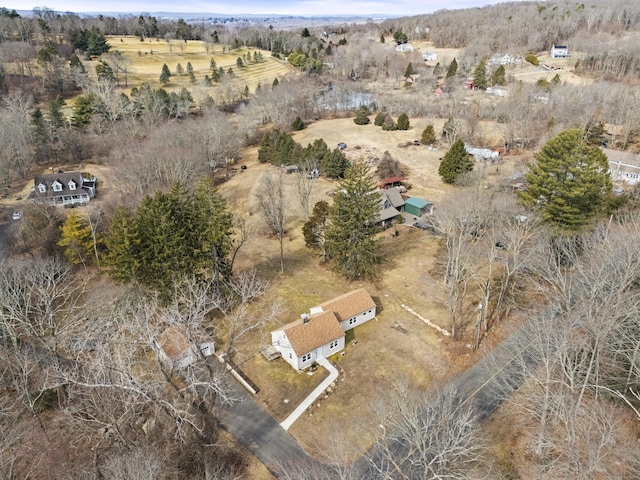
[(145, 60), (397, 346)]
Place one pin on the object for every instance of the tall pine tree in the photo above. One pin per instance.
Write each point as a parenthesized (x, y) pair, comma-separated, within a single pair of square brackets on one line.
[(350, 237), (570, 182)]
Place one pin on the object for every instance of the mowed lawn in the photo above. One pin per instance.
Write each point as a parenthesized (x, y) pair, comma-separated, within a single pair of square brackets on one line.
[(144, 62)]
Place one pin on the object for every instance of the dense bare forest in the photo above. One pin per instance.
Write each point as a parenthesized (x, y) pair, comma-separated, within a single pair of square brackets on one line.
[(87, 295)]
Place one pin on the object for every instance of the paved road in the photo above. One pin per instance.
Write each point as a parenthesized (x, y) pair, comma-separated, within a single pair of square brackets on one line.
[(254, 428), (484, 387)]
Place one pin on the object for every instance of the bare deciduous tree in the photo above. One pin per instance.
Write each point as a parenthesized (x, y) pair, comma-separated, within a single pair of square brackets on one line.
[(270, 196)]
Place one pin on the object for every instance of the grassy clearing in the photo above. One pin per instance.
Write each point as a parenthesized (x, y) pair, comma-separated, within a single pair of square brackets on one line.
[(145, 60)]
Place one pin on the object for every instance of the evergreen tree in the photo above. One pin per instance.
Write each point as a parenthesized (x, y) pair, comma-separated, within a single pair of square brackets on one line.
[(189, 68), (212, 65), (207, 81), (105, 72), (171, 236), (239, 62), (350, 236), (297, 124), (453, 69), (379, 120), (82, 111), (382, 39), (179, 69), (334, 164), (570, 182), (455, 162), (56, 115), (362, 116), (403, 122), (275, 82), (314, 229), (480, 75), (400, 37), (428, 135), (76, 239), (165, 75), (123, 246), (499, 76), (305, 33), (409, 71), (76, 64)]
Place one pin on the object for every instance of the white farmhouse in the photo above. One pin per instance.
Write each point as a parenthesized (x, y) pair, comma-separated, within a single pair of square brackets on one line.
[(321, 332)]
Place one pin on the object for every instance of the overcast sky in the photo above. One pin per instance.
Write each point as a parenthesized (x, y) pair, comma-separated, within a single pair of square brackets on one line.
[(280, 7)]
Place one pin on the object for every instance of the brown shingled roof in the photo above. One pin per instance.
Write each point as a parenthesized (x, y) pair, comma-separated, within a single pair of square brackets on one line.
[(173, 342), (320, 329), (350, 304)]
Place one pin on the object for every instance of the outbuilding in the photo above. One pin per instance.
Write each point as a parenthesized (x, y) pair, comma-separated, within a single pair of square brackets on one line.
[(417, 206)]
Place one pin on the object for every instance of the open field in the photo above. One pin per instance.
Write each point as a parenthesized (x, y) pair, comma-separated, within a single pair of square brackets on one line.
[(395, 346), (144, 62)]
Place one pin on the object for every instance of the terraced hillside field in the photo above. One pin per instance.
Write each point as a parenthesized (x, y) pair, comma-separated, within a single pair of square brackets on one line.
[(143, 62)]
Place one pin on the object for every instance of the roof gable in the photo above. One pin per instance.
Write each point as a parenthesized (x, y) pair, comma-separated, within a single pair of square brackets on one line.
[(350, 304), (320, 329)]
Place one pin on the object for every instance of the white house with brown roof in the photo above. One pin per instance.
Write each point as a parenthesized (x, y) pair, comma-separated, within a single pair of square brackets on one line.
[(320, 333)]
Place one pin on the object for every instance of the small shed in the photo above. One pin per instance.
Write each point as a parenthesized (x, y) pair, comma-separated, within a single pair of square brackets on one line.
[(417, 206)]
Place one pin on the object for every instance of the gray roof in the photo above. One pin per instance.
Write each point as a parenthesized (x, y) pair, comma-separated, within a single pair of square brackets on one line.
[(394, 196), (83, 185)]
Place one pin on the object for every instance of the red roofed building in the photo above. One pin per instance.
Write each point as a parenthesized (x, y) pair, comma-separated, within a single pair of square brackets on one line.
[(391, 182)]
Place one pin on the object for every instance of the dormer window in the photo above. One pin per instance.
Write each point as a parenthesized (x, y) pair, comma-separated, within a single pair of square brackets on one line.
[(42, 188), (72, 185), (57, 186)]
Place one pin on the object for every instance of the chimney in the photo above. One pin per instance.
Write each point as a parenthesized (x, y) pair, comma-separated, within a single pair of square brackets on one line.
[(305, 318)]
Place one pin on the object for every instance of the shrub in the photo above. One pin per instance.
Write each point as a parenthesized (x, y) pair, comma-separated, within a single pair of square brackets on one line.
[(362, 117), (389, 124), (297, 124), (379, 120), (532, 59), (403, 122)]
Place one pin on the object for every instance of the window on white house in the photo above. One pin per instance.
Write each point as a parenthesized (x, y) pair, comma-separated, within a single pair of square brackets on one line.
[(290, 356), (42, 188), (306, 358), (72, 185), (334, 344), (352, 321), (57, 187)]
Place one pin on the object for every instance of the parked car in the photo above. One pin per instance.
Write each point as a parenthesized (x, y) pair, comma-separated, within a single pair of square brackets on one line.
[(421, 225), (243, 167), (17, 215), (342, 146)]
